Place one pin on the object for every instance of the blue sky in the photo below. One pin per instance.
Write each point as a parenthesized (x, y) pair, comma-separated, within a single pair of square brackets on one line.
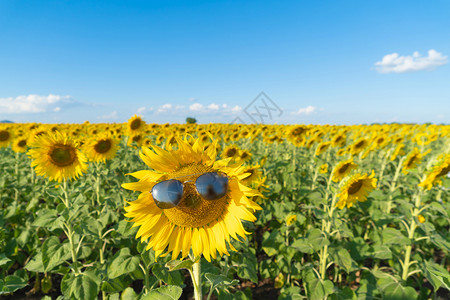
[(321, 62)]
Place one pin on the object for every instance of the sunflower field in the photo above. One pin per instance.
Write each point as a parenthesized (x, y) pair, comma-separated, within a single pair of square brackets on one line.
[(224, 211)]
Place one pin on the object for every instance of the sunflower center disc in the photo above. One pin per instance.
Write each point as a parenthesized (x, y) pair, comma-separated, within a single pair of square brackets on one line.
[(22, 143), (344, 168), (103, 146), (355, 187), (193, 210), (135, 124), (62, 155), (4, 135)]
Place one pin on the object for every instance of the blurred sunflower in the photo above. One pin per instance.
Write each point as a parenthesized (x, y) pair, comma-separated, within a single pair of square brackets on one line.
[(323, 169), (55, 155), (322, 147), (437, 172), (101, 148), (20, 144), (135, 125), (205, 226), (356, 189), (413, 159), (342, 169), (230, 151), (6, 137), (358, 146)]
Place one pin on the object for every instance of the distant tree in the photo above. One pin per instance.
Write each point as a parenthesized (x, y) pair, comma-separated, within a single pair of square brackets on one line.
[(190, 120)]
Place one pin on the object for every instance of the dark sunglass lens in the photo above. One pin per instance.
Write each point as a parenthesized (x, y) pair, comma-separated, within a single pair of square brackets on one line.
[(168, 193), (212, 186)]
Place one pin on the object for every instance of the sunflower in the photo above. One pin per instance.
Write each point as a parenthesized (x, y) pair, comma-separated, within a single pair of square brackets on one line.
[(342, 169), (323, 169), (413, 159), (20, 144), (55, 155), (101, 148), (322, 147), (6, 136), (358, 146), (231, 151), (439, 170), (135, 125), (244, 155), (205, 226), (291, 219), (356, 189)]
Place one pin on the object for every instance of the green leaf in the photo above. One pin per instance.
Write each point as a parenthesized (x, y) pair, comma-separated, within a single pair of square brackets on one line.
[(272, 242), (247, 267), (35, 264), (171, 278), (165, 292), (48, 219), (11, 284), (179, 264), (80, 286), (54, 253), (437, 275), (115, 285), (394, 290), (381, 252), (217, 280), (342, 258), (394, 236), (317, 239), (318, 289), (303, 245), (122, 263), (4, 260), (129, 294)]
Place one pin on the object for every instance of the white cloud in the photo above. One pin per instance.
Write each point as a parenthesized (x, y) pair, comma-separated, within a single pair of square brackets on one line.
[(306, 111), (192, 99), (393, 63), (33, 103), (167, 106), (196, 107), (111, 116), (213, 106), (141, 110), (236, 109)]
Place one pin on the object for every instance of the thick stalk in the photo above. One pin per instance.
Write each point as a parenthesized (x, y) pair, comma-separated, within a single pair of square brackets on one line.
[(411, 230), (197, 280), (393, 185), (72, 248)]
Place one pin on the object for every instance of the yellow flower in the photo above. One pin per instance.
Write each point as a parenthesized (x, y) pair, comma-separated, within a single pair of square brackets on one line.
[(323, 169), (356, 189), (322, 147), (56, 156), (413, 159), (291, 219), (135, 125), (434, 176), (6, 136), (101, 148), (342, 169), (203, 225), (20, 144), (358, 146), (421, 218), (230, 151)]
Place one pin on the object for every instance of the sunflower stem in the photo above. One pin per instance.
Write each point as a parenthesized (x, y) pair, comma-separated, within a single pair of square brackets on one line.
[(411, 230), (197, 280)]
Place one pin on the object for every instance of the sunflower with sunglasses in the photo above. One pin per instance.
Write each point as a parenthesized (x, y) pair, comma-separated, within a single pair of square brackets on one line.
[(190, 200)]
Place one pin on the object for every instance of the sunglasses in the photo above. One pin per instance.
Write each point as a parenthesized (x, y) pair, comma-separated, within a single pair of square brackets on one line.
[(168, 193)]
